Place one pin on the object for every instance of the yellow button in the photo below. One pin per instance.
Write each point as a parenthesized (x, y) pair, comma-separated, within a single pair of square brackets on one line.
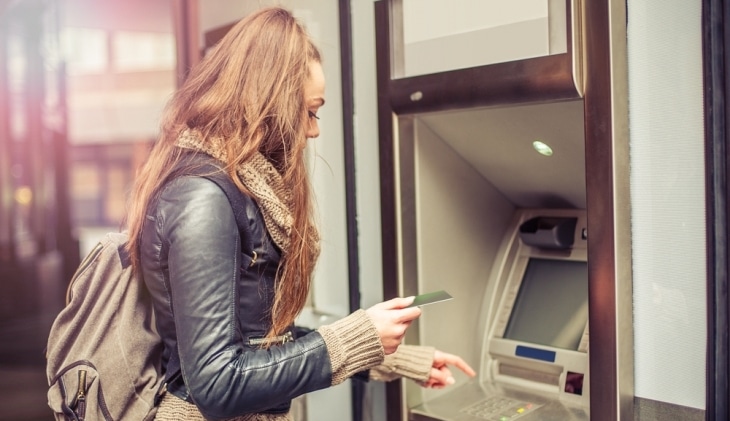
[(521, 410)]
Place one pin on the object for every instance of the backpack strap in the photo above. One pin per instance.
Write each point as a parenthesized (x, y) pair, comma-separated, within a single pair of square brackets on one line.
[(236, 197), (203, 165)]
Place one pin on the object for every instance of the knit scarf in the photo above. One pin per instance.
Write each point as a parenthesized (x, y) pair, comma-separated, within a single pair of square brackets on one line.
[(264, 182)]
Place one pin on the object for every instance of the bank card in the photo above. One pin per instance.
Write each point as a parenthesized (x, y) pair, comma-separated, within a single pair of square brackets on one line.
[(430, 298)]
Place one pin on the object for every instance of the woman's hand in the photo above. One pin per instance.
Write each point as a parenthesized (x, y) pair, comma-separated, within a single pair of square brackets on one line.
[(441, 375), (391, 319)]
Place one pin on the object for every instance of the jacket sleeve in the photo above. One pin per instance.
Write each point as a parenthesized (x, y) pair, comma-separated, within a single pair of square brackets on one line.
[(224, 378), (410, 361)]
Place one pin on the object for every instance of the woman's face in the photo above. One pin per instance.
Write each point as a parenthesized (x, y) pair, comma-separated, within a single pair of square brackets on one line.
[(314, 98)]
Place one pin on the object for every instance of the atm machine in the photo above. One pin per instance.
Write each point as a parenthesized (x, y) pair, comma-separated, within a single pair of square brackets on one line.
[(534, 353), (473, 206)]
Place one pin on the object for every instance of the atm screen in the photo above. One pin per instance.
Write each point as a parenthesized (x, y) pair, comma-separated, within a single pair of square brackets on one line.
[(551, 307)]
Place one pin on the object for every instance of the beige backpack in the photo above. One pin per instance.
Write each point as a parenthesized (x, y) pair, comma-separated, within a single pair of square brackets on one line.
[(103, 352)]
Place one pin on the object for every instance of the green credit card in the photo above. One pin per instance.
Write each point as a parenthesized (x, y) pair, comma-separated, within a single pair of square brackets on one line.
[(430, 298)]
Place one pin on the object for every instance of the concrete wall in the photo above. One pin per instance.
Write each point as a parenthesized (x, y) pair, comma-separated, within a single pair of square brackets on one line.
[(668, 200)]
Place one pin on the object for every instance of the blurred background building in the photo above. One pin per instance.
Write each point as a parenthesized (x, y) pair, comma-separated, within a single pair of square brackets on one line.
[(82, 86)]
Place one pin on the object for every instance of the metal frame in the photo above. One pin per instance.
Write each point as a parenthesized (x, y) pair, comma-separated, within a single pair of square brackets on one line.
[(608, 210), (716, 39), (348, 128)]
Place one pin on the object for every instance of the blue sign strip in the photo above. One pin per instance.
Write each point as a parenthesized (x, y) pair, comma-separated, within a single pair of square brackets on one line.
[(535, 354)]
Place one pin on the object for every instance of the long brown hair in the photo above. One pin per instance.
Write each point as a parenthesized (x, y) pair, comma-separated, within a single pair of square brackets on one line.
[(249, 90)]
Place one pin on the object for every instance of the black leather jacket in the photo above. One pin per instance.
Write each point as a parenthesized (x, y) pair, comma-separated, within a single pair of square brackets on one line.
[(209, 304)]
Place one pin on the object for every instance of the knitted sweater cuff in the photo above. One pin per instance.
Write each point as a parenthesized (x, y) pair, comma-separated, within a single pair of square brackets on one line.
[(353, 345), (410, 361)]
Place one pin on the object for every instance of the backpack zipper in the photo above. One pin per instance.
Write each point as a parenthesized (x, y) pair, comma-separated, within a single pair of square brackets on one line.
[(81, 396)]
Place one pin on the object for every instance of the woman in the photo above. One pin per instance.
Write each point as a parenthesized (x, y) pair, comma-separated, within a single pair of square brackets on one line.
[(226, 318)]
